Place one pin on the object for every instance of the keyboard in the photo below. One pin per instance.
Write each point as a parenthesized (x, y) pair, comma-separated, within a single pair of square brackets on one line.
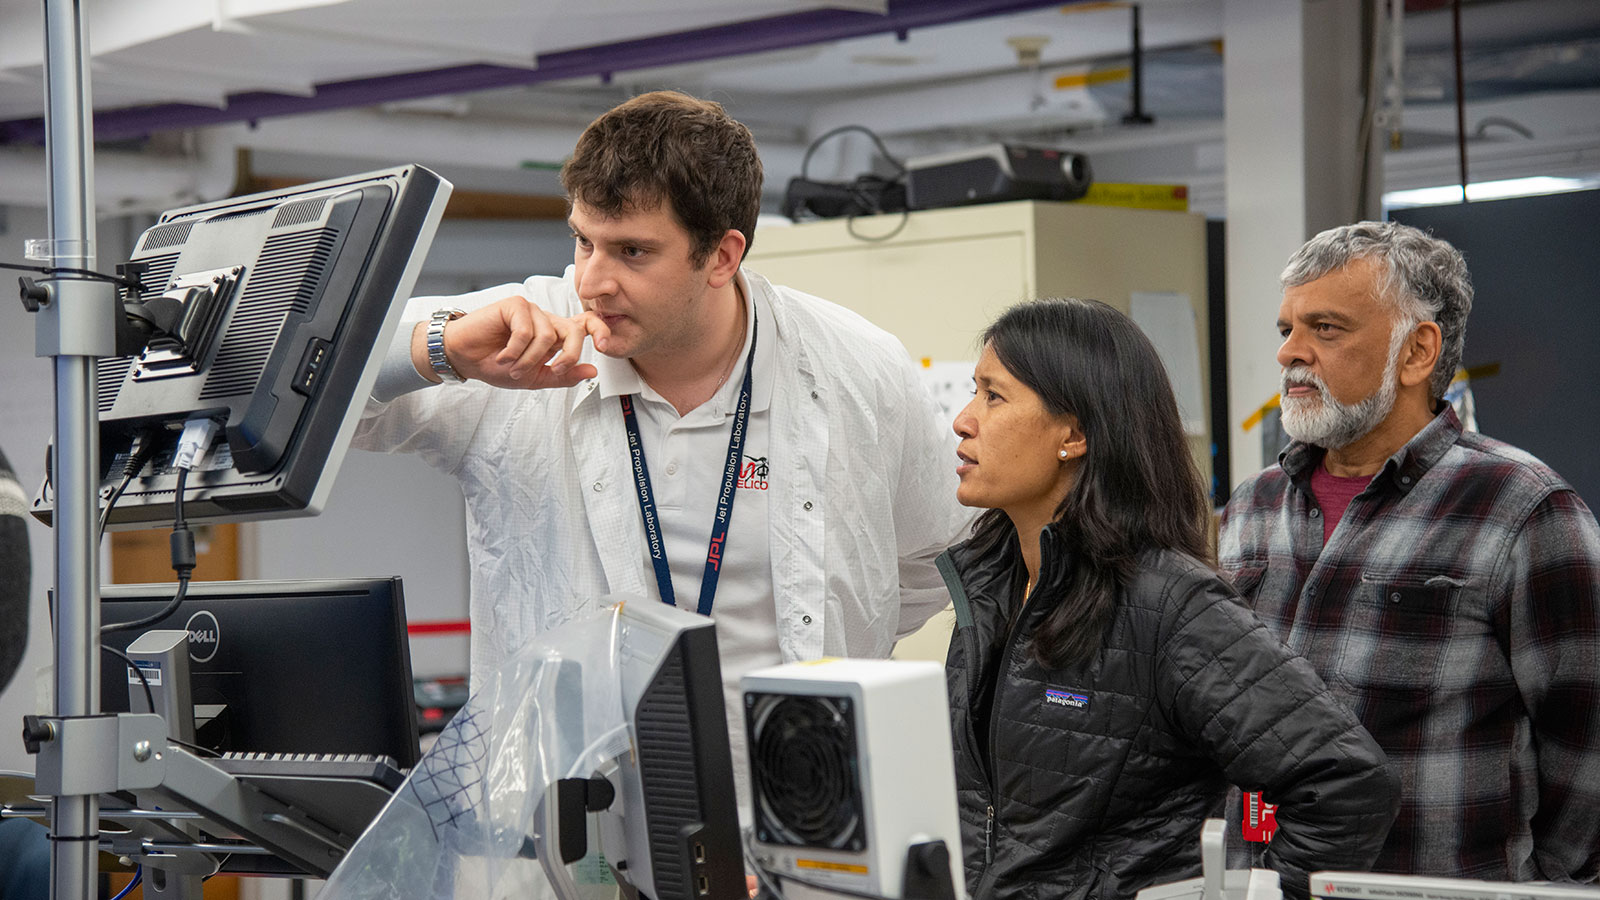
[(379, 770), (342, 791)]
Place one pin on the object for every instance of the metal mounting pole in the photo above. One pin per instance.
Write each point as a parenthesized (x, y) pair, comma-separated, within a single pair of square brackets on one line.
[(75, 326)]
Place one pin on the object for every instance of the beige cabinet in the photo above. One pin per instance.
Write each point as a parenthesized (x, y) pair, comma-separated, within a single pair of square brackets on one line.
[(945, 274)]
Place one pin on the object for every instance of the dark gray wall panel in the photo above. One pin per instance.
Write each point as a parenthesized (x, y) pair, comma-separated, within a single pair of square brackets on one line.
[(1535, 263)]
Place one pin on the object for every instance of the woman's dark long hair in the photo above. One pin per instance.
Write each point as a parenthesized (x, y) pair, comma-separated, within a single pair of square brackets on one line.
[(1137, 488)]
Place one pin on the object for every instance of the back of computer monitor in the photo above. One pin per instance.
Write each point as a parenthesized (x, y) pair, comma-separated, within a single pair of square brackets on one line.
[(670, 831), (289, 299), (318, 666), (672, 691)]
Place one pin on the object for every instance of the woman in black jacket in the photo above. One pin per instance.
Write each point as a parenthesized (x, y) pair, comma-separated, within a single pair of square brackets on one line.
[(1105, 683)]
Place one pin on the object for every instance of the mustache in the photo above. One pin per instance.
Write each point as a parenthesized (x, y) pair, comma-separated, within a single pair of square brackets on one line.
[(1301, 376)]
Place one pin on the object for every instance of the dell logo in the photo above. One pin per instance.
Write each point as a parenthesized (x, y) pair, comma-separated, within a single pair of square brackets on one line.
[(204, 636)]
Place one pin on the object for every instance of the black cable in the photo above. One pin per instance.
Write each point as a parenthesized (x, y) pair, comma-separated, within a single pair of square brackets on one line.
[(183, 591), (867, 189), (850, 226), (123, 280), (805, 161), (149, 698), (111, 501), (139, 453), (178, 523), (182, 563)]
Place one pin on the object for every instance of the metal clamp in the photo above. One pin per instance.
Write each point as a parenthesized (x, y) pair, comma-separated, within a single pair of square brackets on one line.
[(86, 755), (76, 318)]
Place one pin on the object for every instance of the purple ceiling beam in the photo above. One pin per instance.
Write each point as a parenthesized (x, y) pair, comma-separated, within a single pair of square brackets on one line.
[(760, 35)]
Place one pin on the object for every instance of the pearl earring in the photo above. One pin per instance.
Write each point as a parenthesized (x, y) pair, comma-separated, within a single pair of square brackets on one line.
[(1063, 454)]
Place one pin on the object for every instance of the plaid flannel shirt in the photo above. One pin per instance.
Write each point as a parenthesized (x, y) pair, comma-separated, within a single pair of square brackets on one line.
[(1456, 610)]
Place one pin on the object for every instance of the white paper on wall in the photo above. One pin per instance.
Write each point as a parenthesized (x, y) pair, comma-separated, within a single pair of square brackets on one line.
[(1167, 318), (950, 383)]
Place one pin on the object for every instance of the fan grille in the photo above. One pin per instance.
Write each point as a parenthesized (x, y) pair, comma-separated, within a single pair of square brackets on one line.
[(806, 771)]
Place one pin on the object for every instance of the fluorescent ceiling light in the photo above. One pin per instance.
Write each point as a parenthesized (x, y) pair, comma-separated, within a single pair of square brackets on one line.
[(1487, 190)]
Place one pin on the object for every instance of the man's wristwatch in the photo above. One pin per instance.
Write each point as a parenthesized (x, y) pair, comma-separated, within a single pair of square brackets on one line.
[(436, 358)]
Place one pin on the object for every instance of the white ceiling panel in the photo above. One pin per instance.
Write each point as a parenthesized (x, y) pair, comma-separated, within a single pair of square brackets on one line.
[(933, 88), (1073, 34), (249, 45)]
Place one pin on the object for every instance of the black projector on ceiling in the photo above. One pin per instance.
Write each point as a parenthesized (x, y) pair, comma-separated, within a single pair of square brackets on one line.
[(995, 172)]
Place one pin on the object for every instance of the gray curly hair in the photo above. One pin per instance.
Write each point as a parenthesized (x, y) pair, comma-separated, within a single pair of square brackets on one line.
[(1424, 277)]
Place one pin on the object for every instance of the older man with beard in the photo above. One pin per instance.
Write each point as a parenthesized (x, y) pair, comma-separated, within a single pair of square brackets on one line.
[(1445, 585)]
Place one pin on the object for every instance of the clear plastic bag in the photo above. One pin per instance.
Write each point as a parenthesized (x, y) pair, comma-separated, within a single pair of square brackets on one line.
[(466, 821)]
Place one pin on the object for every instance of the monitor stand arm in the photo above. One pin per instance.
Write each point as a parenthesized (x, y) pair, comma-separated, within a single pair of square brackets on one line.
[(163, 658), (253, 814), (180, 322), (176, 793), (561, 833)]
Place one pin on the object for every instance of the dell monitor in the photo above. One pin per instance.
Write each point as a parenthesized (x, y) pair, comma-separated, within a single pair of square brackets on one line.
[(317, 666), (264, 313), (596, 758), (669, 822)]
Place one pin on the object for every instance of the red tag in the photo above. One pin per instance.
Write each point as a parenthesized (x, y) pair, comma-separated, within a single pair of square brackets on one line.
[(1260, 818)]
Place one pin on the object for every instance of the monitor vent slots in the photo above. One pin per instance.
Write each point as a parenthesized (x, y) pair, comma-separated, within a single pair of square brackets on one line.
[(113, 371), (159, 268), (669, 776), (285, 278), (108, 379), (300, 212), (241, 214), (166, 236)]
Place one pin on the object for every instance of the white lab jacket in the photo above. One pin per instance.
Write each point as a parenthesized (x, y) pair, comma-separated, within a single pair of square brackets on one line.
[(866, 504)]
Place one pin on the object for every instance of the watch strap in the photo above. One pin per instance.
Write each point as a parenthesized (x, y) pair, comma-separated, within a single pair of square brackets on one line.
[(435, 337)]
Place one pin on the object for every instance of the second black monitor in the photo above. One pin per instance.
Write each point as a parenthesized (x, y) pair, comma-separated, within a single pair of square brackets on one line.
[(319, 666)]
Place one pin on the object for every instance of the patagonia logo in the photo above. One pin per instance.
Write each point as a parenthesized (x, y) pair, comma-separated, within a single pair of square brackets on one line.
[(1066, 698)]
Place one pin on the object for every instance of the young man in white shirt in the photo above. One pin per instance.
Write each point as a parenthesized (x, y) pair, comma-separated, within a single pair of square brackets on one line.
[(745, 450)]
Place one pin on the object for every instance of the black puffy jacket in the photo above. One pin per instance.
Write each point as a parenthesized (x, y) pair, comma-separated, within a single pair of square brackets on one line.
[(15, 570), (1093, 780)]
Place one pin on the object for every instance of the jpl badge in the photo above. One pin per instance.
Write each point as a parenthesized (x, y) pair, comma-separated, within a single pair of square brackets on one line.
[(1260, 818)]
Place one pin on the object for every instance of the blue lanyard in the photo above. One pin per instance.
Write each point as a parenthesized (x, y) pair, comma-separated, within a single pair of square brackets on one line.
[(719, 525)]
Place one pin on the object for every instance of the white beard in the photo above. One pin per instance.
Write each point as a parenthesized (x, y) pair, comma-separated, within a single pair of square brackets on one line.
[(1327, 423)]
